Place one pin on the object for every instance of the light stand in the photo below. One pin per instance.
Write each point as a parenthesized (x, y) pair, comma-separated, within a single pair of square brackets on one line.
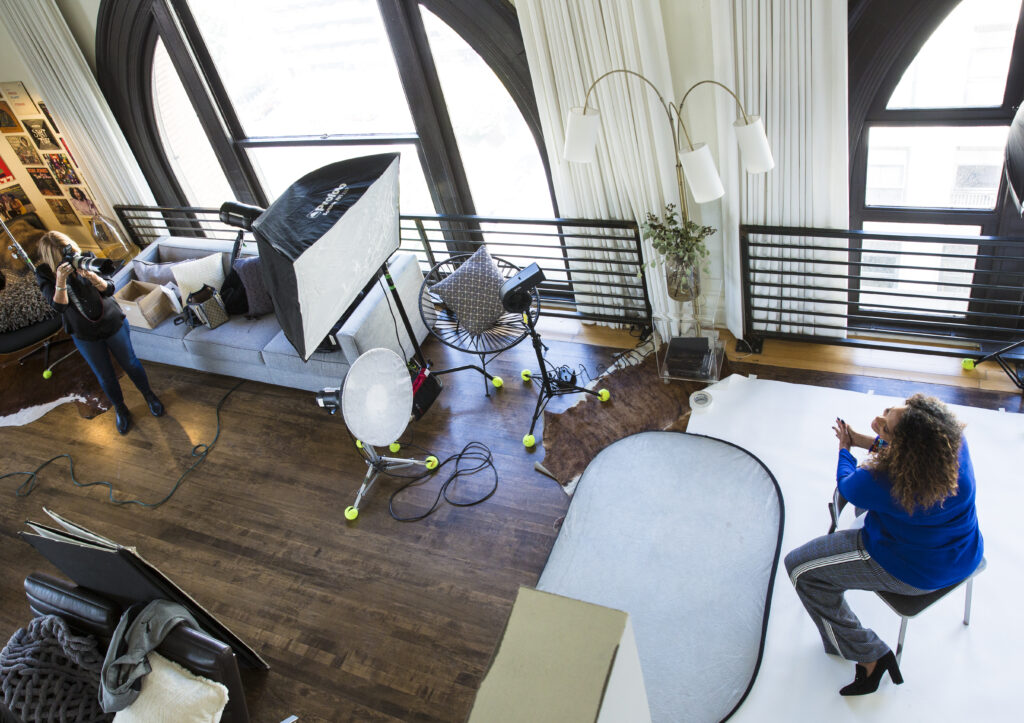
[(516, 296)]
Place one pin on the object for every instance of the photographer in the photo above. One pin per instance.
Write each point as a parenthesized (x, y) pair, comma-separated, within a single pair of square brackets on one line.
[(94, 320)]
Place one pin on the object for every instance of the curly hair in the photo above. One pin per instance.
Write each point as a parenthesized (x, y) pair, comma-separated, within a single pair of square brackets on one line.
[(922, 460)]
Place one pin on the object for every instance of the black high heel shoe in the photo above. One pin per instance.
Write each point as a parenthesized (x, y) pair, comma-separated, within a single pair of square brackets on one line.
[(863, 683), (122, 419)]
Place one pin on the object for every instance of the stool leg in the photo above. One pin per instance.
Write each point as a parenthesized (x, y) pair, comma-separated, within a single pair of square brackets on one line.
[(967, 601), (903, 635)]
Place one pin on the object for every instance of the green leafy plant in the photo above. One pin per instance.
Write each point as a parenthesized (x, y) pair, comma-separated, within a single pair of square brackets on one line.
[(682, 240)]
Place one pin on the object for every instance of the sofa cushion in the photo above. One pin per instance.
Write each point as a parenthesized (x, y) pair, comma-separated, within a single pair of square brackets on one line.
[(165, 338), (193, 275), (240, 340), (280, 354)]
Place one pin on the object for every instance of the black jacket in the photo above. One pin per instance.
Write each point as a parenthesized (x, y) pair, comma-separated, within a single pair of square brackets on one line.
[(102, 318)]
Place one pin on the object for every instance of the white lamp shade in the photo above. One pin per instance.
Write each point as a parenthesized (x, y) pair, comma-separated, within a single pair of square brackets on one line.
[(581, 135), (701, 174), (754, 148)]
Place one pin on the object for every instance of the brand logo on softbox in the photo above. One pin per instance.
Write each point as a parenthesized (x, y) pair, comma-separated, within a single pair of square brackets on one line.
[(329, 202)]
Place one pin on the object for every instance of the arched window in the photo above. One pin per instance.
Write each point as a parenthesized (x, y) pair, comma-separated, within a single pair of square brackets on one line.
[(239, 98), (934, 85)]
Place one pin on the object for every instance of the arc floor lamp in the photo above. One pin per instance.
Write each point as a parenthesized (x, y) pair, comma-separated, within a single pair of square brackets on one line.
[(694, 161)]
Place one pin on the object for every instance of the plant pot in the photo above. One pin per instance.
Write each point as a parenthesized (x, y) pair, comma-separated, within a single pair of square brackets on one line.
[(683, 281)]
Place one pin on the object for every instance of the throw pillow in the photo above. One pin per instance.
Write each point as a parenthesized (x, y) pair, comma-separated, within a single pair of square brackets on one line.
[(233, 294), (172, 693), (192, 275), (472, 292), (22, 304), (251, 273), (155, 273)]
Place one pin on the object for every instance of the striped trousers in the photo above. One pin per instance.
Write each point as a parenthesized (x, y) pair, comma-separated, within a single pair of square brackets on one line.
[(822, 571)]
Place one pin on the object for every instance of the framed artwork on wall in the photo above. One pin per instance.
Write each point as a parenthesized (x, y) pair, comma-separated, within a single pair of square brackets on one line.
[(81, 201), (16, 94), (14, 202), (23, 149), (62, 170), (46, 112), (41, 135), (44, 182), (63, 211), (5, 173), (8, 123)]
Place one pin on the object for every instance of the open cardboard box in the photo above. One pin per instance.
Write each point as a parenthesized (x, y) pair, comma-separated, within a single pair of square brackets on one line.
[(563, 660), (144, 304)]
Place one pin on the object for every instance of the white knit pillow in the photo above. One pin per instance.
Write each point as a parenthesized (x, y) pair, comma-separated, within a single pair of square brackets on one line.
[(171, 694), (191, 275)]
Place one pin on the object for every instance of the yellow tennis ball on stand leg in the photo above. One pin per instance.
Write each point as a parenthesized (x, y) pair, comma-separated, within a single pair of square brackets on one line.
[(47, 374), (351, 513), (394, 446), (529, 440), (967, 364)]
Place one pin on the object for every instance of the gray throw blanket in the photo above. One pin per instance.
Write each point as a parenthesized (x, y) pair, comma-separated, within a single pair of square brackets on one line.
[(47, 673), (139, 639)]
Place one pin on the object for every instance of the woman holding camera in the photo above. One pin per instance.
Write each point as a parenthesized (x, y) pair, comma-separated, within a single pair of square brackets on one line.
[(920, 532), (94, 320)]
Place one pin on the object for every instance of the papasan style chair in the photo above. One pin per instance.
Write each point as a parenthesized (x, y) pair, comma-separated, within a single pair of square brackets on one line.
[(461, 306)]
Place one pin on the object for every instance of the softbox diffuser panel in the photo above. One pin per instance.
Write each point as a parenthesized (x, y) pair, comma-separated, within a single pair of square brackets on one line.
[(323, 239)]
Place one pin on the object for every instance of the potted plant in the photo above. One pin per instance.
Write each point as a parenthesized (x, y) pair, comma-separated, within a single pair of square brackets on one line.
[(681, 244)]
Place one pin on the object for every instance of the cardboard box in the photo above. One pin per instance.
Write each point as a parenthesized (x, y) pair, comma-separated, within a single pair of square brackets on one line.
[(563, 660), (143, 303)]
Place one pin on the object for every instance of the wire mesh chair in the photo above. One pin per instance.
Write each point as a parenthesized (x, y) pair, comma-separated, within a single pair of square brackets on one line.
[(507, 331)]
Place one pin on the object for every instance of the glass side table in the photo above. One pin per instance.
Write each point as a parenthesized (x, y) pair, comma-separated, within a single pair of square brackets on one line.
[(692, 358)]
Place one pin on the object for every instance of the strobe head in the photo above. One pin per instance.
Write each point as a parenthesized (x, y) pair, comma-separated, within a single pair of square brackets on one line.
[(329, 398), (240, 215), (87, 262), (516, 293)]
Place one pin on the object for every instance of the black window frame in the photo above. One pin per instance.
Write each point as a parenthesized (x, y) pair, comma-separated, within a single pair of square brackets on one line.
[(127, 32), (884, 38)]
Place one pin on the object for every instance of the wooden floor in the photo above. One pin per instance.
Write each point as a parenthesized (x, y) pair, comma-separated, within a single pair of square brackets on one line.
[(372, 621)]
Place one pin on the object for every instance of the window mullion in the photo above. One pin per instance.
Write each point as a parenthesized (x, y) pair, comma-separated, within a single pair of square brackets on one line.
[(191, 59), (438, 149)]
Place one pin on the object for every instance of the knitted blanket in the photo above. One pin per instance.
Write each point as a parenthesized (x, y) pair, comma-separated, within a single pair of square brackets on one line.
[(47, 673)]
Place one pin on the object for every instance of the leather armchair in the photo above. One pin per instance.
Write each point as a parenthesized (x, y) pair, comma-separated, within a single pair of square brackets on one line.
[(87, 612)]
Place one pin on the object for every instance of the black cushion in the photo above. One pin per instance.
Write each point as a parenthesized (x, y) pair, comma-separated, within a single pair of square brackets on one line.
[(910, 605), (233, 294)]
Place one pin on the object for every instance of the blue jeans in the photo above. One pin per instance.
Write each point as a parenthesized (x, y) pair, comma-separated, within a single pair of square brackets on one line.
[(97, 355)]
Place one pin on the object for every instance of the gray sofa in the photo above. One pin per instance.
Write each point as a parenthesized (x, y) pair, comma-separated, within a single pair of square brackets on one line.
[(257, 349)]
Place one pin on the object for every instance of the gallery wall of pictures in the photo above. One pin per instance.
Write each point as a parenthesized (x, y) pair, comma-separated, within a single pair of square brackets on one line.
[(41, 185)]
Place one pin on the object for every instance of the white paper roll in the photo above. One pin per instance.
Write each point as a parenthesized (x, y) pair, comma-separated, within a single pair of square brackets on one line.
[(700, 400)]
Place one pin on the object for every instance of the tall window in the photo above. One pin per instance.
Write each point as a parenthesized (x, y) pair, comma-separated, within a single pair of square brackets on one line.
[(245, 96), (929, 161)]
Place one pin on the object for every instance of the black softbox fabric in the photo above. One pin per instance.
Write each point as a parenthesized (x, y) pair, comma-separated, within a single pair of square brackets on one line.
[(323, 239)]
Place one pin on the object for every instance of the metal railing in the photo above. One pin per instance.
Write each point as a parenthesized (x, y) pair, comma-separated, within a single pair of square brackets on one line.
[(907, 292), (594, 268)]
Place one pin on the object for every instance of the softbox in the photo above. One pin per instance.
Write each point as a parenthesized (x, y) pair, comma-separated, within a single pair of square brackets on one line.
[(324, 239)]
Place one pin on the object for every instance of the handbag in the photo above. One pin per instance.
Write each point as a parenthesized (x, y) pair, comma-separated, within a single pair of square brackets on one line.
[(205, 307)]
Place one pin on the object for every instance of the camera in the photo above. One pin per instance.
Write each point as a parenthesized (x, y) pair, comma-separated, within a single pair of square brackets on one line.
[(329, 399), (87, 261), (517, 292)]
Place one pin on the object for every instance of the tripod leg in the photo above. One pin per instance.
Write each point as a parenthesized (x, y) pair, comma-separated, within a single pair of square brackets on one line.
[(352, 511)]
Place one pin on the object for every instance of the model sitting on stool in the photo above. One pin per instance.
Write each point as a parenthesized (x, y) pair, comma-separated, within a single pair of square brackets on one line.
[(920, 533), (95, 322)]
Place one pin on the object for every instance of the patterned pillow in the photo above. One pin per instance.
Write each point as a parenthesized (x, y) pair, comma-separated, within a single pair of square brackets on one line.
[(22, 304), (472, 292), (256, 294), (192, 275)]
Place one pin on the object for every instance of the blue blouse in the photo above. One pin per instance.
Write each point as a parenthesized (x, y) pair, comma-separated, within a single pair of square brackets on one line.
[(930, 549)]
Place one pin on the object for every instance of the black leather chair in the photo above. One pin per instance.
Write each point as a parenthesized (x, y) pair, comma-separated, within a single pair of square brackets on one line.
[(87, 612)]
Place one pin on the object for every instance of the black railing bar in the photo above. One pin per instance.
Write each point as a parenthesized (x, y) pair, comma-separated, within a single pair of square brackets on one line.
[(546, 247), (946, 322), (876, 235), (329, 139), (498, 232), (968, 313), (894, 345), (883, 292), (846, 328), (862, 251), (870, 264), (861, 278)]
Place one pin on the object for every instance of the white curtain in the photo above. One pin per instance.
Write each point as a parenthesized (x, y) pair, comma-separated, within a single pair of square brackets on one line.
[(569, 44), (67, 85), (788, 61)]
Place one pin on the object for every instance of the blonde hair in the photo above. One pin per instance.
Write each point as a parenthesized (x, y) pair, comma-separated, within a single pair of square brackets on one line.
[(51, 248)]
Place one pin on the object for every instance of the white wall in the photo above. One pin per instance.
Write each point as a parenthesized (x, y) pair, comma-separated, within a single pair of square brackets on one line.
[(80, 16)]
